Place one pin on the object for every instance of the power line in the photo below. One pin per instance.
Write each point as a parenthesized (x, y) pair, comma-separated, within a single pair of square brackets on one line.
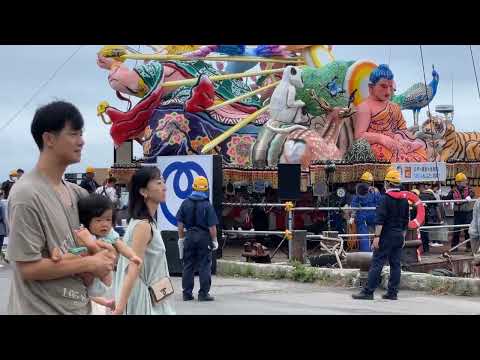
[(474, 70), (9, 121), (429, 115), (452, 88), (424, 78)]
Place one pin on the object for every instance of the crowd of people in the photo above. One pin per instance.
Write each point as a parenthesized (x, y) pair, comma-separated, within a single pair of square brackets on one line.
[(63, 248), (362, 194)]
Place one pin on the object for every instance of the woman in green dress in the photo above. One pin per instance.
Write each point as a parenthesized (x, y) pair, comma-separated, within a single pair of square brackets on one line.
[(147, 191)]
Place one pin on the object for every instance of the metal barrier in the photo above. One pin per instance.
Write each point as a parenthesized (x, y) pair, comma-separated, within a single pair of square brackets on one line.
[(336, 208), (253, 204), (254, 232), (448, 201), (321, 237), (444, 226), (337, 249), (296, 208), (290, 208)]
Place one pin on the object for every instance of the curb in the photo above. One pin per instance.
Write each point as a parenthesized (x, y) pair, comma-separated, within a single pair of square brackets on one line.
[(348, 277)]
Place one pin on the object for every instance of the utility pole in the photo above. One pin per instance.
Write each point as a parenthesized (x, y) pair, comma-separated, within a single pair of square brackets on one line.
[(124, 153)]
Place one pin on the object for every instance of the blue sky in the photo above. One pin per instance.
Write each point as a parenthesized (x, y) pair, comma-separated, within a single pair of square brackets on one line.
[(25, 68)]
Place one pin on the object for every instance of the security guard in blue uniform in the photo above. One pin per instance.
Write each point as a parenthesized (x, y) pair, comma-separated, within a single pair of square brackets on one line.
[(197, 233), (391, 219), (366, 196)]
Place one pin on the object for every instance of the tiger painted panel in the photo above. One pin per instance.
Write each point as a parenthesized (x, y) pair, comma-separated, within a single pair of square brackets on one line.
[(445, 143)]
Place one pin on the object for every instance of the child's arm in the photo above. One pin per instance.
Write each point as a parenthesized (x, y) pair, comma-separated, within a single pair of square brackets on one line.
[(127, 251), (86, 239), (57, 255)]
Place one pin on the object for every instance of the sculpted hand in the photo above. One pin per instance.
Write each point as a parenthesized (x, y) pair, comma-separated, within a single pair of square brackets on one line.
[(392, 144), (410, 146)]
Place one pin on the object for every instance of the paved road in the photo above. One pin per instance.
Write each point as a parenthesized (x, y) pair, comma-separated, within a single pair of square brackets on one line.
[(256, 297), (4, 287)]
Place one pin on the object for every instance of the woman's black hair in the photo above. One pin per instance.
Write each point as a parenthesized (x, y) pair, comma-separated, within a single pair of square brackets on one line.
[(92, 206), (137, 208)]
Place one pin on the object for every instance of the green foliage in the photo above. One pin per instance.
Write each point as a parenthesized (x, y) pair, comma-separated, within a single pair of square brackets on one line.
[(318, 79), (303, 273), (248, 271)]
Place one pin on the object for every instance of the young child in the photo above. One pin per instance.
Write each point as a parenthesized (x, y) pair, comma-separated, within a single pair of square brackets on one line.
[(96, 214)]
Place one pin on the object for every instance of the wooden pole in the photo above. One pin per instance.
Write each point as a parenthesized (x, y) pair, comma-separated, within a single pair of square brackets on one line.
[(207, 148), (244, 96), (160, 57), (299, 246), (221, 77)]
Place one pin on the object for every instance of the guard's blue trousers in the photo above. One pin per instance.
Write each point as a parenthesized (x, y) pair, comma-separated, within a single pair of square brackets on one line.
[(391, 251), (197, 254), (362, 228), (365, 222)]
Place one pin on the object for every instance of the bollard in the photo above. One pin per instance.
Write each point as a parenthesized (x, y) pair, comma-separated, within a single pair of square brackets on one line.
[(409, 253), (362, 261), (299, 246), (290, 228)]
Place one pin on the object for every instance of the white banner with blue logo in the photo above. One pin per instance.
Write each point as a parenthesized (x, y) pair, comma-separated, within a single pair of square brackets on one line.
[(179, 172)]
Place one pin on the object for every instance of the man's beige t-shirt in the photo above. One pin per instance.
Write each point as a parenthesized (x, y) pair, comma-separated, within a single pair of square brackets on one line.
[(39, 223)]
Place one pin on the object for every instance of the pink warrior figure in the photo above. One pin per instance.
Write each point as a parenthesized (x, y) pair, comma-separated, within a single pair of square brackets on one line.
[(380, 121), (121, 78), (127, 81)]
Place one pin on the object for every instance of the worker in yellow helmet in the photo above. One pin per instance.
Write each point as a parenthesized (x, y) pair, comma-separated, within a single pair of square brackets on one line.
[(462, 212), (197, 238), (391, 219), (367, 177), (88, 182), (366, 196), (433, 215), (7, 185)]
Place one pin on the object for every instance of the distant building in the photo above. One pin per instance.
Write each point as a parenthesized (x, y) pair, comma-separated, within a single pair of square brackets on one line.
[(101, 174)]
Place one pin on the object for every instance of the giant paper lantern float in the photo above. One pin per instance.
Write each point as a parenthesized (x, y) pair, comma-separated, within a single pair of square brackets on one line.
[(181, 114)]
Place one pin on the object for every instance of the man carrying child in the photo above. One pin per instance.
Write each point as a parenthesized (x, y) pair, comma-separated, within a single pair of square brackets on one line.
[(43, 215)]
